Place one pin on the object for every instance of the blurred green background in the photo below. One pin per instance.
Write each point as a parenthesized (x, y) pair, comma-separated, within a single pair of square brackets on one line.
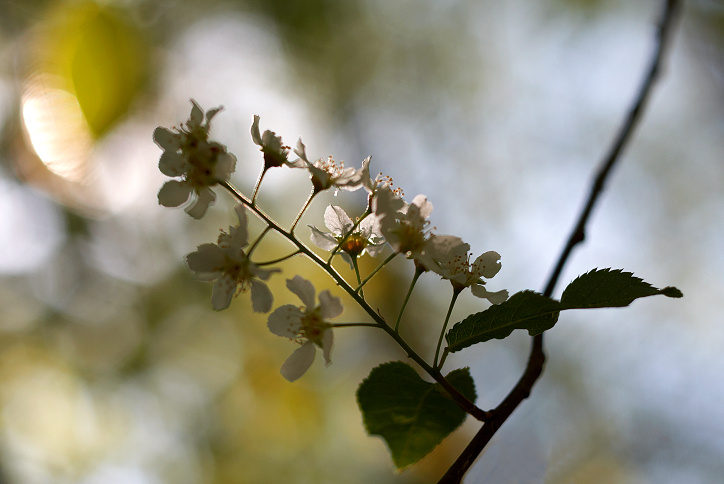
[(114, 368)]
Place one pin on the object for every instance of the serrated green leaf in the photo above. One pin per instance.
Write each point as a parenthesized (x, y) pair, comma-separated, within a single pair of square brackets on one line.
[(603, 288), (523, 310), (410, 414)]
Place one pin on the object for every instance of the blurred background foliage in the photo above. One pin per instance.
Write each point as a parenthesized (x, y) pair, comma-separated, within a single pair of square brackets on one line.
[(114, 368)]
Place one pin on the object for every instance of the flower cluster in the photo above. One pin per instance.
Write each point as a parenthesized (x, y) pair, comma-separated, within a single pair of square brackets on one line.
[(228, 264), (386, 222), (188, 153)]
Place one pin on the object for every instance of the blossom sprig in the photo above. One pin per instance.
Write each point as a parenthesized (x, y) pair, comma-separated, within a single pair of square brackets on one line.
[(228, 261), (306, 325), (349, 238), (455, 266), (228, 264), (426, 414), (200, 163)]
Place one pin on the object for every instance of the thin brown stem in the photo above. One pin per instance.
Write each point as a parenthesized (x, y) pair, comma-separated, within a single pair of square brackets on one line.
[(278, 260), (258, 184), (536, 359), (456, 293), (355, 325), (304, 209)]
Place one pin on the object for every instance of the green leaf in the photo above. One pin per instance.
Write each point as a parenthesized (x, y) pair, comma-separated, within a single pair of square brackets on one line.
[(537, 313), (609, 288), (410, 414), (523, 310)]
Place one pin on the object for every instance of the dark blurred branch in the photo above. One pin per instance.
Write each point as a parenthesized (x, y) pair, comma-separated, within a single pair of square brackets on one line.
[(624, 135), (536, 359)]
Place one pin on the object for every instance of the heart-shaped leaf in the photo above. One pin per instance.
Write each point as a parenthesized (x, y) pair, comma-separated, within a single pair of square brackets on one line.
[(413, 416)]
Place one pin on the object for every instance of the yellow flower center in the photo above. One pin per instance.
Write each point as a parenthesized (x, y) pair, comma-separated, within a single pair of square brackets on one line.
[(354, 245)]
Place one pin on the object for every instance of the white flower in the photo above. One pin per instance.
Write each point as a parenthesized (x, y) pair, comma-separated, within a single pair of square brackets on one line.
[(228, 264), (405, 228), (380, 181), (326, 173), (275, 152), (201, 163), (305, 325), (366, 237), (457, 269)]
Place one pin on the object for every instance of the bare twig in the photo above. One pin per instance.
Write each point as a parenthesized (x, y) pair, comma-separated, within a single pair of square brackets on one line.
[(536, 359)]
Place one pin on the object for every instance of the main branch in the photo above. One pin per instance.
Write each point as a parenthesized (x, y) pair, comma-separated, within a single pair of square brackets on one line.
[(536, 359)]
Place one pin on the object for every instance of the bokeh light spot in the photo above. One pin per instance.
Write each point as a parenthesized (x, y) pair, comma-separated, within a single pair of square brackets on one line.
[(56, 128)]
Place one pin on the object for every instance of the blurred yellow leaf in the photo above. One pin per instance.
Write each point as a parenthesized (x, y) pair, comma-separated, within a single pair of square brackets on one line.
[(104, 58)]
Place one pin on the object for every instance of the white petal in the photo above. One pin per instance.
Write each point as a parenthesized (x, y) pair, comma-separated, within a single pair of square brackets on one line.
[(196, 117), (285, 321), (424, 206), (331, 305), (166, 139), (322, 240), (350, 179), (304, 289), (327, 343), (387, 207), (486, 265), (367, 182), (211, 113), (299, 362), (208, 258), (173, 193), (494, 297), (298, 163), (348, 259), (240, 236), (320, 178), (261, 297), (337, 220), (369, 227), (225, 166), (301, 150), (255, 134), (222, 292), (427, 261), (272, 142), (444, 248), (172, 163), (374, 250), (205, 198), (386, 204)]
